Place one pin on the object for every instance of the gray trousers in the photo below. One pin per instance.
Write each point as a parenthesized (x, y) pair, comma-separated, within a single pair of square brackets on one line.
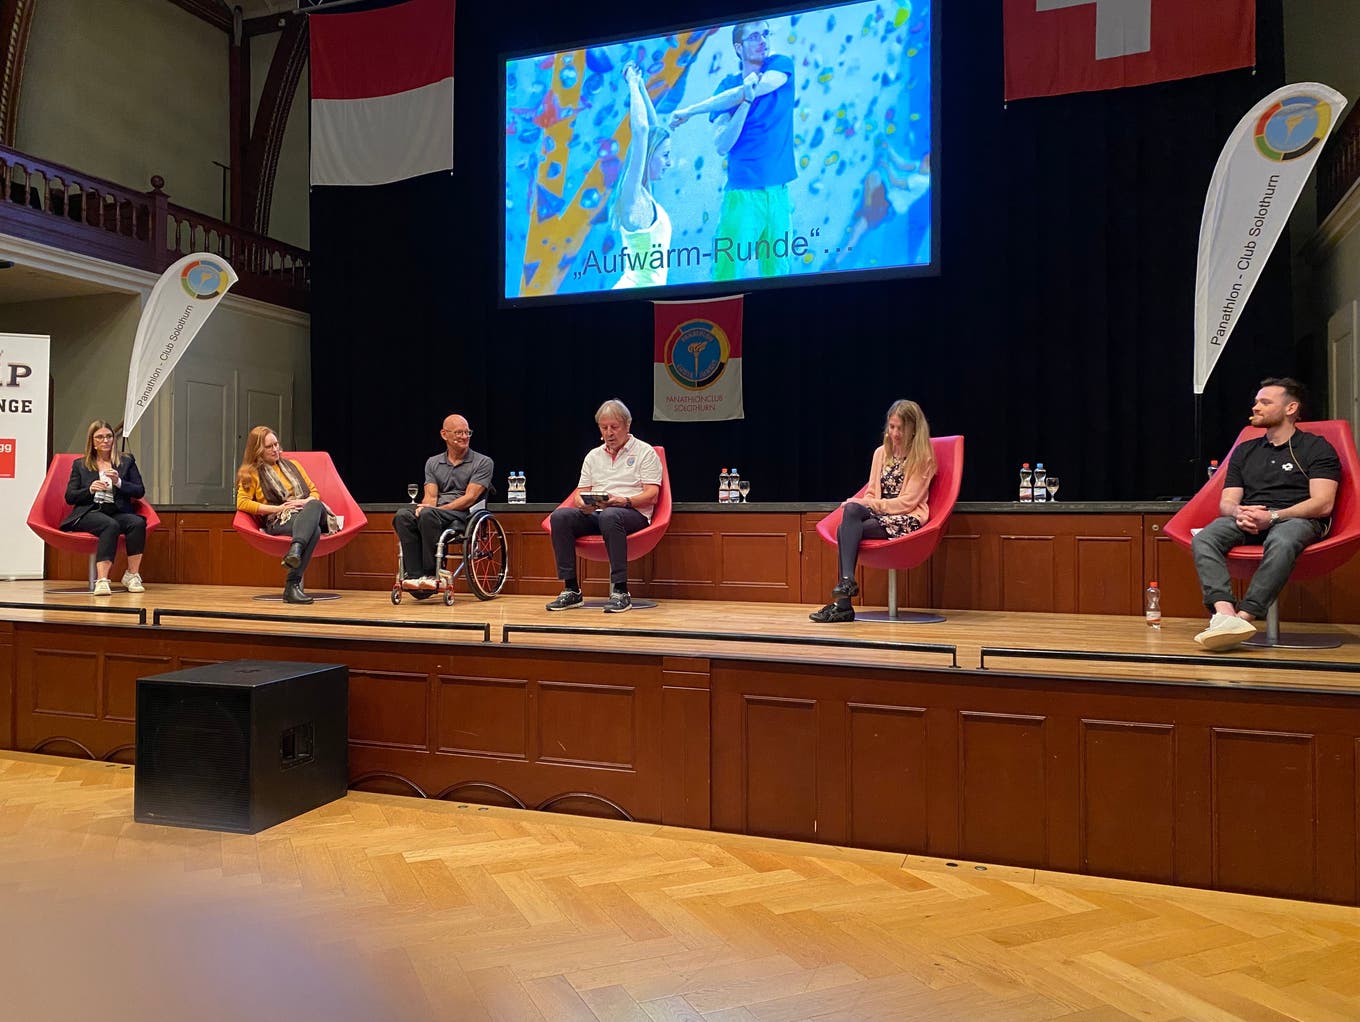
[(306, 527), (1281, 542)]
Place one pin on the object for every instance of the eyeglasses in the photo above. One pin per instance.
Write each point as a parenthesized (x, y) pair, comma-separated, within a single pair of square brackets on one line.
[(459, 433), (103, 436)]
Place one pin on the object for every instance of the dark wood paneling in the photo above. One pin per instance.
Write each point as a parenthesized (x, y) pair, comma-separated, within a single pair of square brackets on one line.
[(1003, 805), (684, 740), (8, 657), (121, 671), (1123, 765), (65, 683), (586, 725), (1265, 812), (886, 754), (483, 716), (1051, 562), (389, 708), (780, 769)]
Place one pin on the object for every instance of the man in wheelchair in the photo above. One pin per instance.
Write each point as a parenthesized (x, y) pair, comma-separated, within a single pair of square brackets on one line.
[(456, 480)]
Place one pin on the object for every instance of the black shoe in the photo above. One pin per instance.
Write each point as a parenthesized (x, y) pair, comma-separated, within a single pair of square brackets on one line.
[(833, 613), (618, 602), (293, 593), (293, 558), (568, 599), (846, 587)]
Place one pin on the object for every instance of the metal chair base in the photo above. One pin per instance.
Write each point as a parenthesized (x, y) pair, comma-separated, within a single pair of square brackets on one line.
[(638, 604), (905, 617), (278, 597), (1272, 639), (895, 616)]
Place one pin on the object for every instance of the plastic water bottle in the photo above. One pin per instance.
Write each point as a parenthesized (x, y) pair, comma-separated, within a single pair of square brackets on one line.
[(521, 489), (1026, 484), (1152, 605), (733, 482), (1213, 467), (724, 491), (1040, 476)]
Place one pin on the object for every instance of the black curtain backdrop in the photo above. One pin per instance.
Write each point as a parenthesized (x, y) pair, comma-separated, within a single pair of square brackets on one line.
[(1059, 329)]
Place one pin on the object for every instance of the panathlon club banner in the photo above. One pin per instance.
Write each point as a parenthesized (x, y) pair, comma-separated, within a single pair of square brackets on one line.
[(1256, 182), (23, 448), (180, 303), (697, 372), (1059, 46)]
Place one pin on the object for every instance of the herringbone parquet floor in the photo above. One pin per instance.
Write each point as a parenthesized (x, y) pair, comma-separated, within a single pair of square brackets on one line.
[(385, 908)]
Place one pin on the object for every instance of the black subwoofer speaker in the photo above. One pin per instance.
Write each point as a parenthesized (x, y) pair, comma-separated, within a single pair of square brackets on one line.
[(240, 746)]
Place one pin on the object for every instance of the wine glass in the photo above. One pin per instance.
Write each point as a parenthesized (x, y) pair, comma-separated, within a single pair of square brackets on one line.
[(411, 490), (745, 487), (1051, 484)]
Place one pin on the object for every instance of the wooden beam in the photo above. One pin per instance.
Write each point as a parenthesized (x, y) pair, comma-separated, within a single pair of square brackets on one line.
[(271, 118), (16, 17), (213, 12)]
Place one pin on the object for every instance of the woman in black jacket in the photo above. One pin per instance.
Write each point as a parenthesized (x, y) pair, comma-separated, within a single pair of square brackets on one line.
[(101, 491)]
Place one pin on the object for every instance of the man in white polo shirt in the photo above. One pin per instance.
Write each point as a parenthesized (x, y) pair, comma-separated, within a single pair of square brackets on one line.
[(628, 472)]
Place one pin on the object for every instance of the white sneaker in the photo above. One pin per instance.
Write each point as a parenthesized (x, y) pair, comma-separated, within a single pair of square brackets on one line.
[(1225, 631), (102, 587), (132, 582)]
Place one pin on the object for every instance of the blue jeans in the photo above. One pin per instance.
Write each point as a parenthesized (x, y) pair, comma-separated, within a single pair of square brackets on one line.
[(1282, 543)]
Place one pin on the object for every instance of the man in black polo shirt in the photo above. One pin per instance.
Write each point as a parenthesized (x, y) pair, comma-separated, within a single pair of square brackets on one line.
[(455, 480), (1279, 493)]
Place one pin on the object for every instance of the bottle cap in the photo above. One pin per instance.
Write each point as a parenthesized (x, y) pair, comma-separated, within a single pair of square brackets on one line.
[(1153, 584), (1024, 464), (1039, 464)]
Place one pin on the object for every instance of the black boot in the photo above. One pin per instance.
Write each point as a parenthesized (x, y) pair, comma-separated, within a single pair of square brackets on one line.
[(292, 593), (834, 613), (293, 558), (846, 587)]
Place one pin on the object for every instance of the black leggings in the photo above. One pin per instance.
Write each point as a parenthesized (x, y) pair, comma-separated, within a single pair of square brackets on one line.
[(857, 523), (108, 527), (306, 527)]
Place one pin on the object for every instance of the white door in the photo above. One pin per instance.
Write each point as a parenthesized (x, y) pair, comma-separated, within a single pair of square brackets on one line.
[(1341, 365)]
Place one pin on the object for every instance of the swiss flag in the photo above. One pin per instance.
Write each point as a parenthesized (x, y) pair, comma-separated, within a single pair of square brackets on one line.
[(1058, 46)]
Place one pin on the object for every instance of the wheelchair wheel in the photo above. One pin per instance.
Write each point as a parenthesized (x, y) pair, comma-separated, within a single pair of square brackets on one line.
[(485, 557), (396, 595)]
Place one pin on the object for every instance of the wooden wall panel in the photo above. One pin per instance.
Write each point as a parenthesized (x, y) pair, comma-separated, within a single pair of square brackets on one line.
[(888, 778), (119, 683), (8, 666), (684, 742), (582, 724), (483, 716), (389, 709), (1003, 804), (1063, 562), (1126, 764), (65, 683), (1265, 812), (780, 768)]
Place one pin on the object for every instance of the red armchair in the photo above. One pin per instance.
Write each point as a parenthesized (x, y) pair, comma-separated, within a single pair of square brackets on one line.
[(640, 543), (914, 548), (50, 507), (329, 486), (1318, 559)]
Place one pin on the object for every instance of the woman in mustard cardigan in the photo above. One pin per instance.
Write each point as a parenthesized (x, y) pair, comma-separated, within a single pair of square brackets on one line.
[(278, 492), (893, 505)]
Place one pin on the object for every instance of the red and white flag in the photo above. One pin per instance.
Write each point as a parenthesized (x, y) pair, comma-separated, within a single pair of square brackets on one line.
[(697, 360), (382, 93), (1058, 46)]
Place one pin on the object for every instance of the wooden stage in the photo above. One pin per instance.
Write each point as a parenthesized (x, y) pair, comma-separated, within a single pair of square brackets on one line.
[(1088, 744), (377, 907)]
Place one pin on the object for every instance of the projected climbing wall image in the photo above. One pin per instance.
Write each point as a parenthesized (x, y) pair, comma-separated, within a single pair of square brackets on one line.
[(771, 150)]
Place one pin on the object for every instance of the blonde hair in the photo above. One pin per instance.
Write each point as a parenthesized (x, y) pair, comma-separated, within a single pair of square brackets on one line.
[(250, 461), (91, 459), (920, 456)]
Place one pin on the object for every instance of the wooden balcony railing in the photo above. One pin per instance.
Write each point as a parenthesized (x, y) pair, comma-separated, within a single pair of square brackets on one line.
[(1339, 165), (61, 207)]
